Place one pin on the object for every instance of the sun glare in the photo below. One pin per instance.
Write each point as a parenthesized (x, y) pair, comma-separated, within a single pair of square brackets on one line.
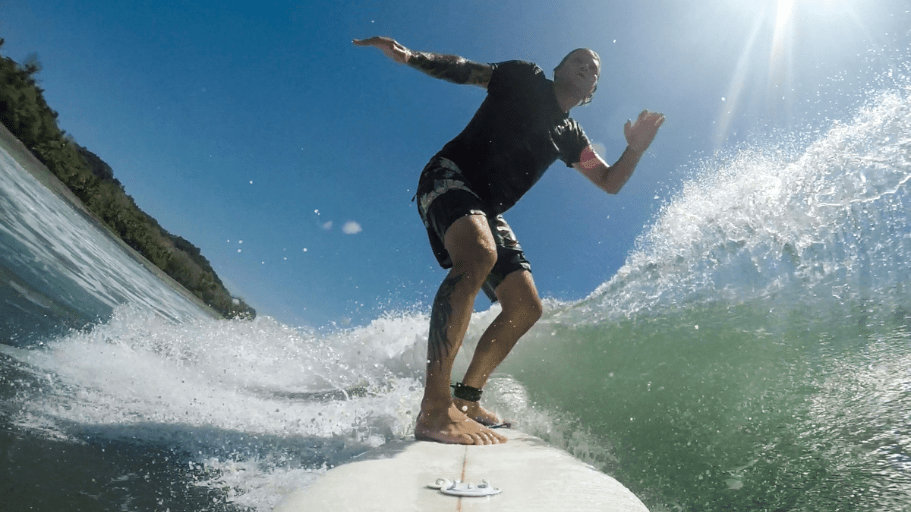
[(793, 26), (779, 60), (783, 14)]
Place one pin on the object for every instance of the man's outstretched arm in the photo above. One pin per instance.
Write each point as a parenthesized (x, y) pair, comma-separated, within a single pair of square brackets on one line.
[(451, 68), (639, 136)]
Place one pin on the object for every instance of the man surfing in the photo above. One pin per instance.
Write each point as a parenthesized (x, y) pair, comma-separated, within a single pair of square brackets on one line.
[(520, 129)]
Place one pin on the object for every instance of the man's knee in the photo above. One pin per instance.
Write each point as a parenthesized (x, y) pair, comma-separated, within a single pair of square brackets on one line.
[(520, 300), (471, 246), (476, 266), (523, 315), (485, 259), (530, 311), (535, 310)]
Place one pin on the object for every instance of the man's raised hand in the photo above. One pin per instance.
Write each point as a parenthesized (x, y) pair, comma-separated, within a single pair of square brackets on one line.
[(641, 134), (390, 47)]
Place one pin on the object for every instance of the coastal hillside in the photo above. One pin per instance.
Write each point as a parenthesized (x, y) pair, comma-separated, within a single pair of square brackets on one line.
[(25, 113)]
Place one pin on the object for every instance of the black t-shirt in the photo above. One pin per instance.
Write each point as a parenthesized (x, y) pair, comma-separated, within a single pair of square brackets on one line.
[(516, 134)]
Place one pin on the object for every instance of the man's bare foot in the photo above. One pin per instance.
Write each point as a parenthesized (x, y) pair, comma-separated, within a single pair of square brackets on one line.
[(474, 411), (451, 426)]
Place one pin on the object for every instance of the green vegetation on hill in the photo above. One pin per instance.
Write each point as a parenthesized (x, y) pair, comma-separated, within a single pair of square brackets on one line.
[(25, 113)]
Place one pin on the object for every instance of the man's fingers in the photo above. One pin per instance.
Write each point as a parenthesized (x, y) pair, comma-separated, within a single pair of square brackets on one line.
[(641, 133), (390, 47), (656, 119), (372, 41)]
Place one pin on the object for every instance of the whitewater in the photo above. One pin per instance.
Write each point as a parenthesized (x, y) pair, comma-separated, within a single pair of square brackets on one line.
[(751, 354)]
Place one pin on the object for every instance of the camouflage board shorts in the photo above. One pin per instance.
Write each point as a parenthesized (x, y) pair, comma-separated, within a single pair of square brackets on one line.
[(443, 197)]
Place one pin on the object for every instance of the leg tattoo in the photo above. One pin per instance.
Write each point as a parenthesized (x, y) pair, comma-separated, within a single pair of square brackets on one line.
[(438, 343)]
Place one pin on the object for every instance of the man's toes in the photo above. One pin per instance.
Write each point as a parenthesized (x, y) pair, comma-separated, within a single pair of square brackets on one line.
[(494, 438)]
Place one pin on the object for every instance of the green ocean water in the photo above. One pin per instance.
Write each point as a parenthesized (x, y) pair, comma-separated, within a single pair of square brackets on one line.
[(729, 407)]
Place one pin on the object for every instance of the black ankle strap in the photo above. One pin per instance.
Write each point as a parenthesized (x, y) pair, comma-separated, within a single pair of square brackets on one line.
[(466, 392)]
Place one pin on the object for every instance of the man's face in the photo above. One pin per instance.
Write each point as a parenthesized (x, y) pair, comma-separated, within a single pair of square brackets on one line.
[(581, 68)]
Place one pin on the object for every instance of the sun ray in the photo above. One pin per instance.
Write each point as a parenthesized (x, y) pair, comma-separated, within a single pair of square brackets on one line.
[(731, 101), (781, 61)]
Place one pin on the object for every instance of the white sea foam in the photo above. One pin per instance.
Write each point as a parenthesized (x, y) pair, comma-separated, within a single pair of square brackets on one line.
[(760, 220), (263, 408)]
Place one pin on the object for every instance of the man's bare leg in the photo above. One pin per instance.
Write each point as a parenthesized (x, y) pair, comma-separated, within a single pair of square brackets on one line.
[(473, 252), (521, 309)]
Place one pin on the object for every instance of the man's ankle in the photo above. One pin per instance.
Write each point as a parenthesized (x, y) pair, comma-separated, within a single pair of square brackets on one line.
[(430, 405)]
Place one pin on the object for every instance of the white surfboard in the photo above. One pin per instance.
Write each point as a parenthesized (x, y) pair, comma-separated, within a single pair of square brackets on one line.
[(529, 475)]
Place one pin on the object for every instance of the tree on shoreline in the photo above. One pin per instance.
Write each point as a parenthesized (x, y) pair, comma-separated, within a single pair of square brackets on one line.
[(25, 113)]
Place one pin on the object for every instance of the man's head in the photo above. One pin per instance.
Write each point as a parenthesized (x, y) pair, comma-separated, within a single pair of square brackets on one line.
[(583, 64)]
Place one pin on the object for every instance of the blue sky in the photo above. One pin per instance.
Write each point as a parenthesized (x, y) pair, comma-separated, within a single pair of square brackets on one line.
[(259, 133)]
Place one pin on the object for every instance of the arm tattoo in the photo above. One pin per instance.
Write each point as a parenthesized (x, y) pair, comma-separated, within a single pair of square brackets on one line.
[(451, 68), (439, 346)]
